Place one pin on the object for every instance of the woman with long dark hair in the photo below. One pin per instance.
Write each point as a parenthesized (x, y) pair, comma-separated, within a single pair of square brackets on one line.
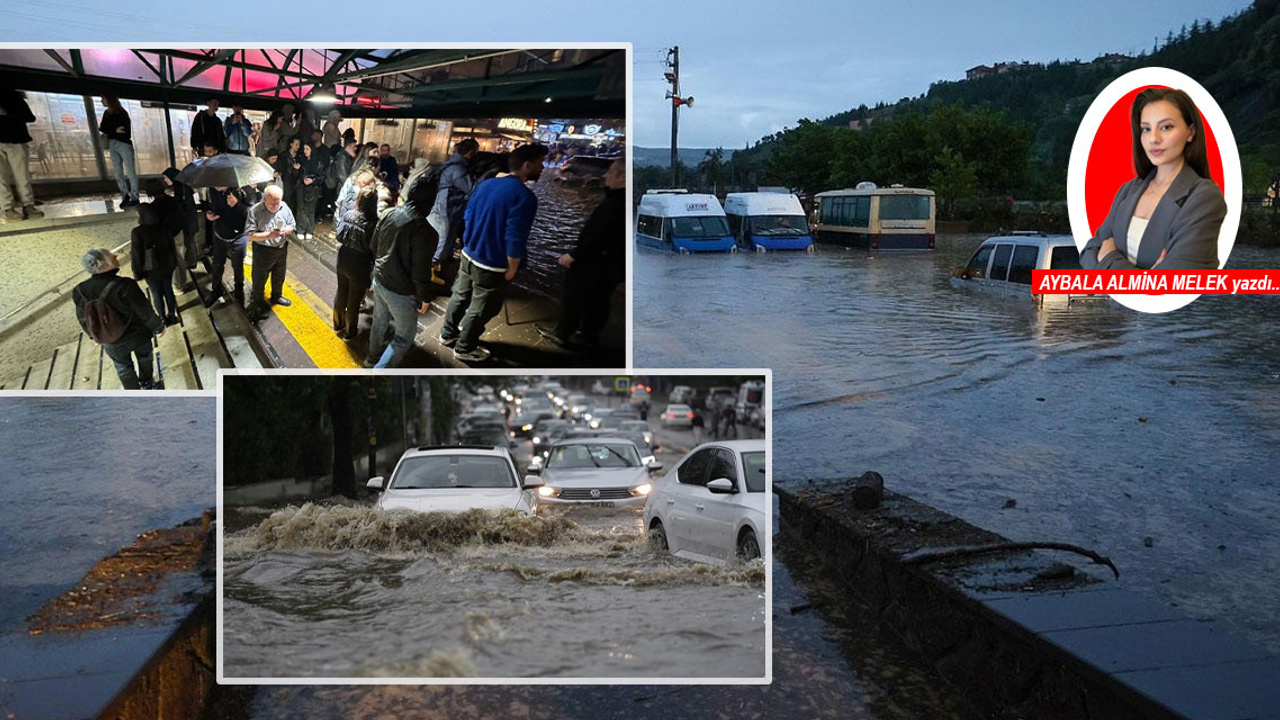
[(1170, 215), (290, 168), (118, 130), (307, 192)]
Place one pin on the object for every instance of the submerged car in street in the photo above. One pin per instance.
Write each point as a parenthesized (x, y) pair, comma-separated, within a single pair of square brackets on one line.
[(454, 478), (711, 505), (602, 472)]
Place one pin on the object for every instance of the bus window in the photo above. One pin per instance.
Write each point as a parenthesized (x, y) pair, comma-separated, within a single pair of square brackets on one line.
[(1024, 261), (781, 225), (904, 207)]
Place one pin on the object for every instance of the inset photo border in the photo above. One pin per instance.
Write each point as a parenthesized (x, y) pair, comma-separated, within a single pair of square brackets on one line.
[(576, 527)]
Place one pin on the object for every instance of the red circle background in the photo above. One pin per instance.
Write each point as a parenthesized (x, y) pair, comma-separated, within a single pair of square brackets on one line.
[(1111, 158)]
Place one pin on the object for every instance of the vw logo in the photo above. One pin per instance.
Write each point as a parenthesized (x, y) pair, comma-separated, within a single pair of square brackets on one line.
[(595, 494)]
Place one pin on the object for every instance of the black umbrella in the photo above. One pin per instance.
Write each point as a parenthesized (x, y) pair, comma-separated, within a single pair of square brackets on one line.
[(227, 171)]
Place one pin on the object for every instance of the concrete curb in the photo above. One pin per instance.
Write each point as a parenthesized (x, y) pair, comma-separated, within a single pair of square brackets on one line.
[(1023, 634)]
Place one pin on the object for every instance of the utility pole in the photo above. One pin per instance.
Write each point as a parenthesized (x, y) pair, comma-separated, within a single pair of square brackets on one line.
[(673, 77)]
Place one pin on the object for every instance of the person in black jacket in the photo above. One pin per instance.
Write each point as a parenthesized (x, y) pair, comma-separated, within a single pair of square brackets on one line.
[(15, 114), (182, 217), (402, 287), (118, 130), (207, 129), (355, 262), (307, 192), (595, 267), (228, 209), (126, 299), (290, 168), (154, 258)]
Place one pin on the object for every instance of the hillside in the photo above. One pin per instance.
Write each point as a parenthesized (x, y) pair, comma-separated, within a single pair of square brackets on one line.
[(1235, 58), (661, 157)]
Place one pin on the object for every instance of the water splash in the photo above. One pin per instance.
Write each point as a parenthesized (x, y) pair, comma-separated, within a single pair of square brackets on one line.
[(314, 527)]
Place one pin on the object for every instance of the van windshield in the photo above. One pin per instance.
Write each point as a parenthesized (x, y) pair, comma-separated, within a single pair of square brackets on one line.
[(699, 227), (779, 225)]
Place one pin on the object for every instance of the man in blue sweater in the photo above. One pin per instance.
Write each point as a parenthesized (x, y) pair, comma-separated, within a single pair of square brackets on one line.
[(497, 224)]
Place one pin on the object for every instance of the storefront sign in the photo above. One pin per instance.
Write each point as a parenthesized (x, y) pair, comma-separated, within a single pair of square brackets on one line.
[(68, 119), (515, 124)]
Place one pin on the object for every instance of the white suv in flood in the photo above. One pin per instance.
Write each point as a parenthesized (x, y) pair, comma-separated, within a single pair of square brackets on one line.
[(454, 478), (712, 504)]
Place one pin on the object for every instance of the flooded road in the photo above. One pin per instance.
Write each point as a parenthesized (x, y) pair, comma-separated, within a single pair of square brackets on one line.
[(819, 672), (84, 476), (351, 591), (1149, 438)]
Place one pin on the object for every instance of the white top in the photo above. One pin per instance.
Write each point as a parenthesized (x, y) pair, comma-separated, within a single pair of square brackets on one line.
[(1137, 226)]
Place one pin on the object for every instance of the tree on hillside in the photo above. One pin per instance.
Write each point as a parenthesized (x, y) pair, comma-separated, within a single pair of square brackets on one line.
[(953, 180), (802, 157)]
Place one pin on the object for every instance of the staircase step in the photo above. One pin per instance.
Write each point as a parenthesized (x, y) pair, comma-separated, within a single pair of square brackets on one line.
[(65, 359)]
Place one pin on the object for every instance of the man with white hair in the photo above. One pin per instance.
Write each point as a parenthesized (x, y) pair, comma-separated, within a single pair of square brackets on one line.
[(269, 225), (132, 311)]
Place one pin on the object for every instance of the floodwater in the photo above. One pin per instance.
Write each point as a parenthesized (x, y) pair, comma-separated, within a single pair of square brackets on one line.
[(355, 592), (1150, 438), (563, 208), (83, 476), (820, 670)]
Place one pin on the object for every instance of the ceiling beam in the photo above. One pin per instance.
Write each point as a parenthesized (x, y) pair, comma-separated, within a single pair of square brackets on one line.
[(65, 65)]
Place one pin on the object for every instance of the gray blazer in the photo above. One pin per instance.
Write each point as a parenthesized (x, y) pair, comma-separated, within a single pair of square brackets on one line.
[(1186, 222)]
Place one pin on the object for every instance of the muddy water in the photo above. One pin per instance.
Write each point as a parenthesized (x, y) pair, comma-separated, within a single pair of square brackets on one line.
[(1151, 438), (84, 476), (820, 670), (347, 592)]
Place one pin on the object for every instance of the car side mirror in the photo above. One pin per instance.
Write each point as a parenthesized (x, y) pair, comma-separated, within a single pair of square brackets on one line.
[(654, 466), (722, 486), (532, 481), (376, 482)]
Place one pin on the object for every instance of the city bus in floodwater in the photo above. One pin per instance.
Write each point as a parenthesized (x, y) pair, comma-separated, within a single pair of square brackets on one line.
[(875, 218), (679, 222), (764, 221)]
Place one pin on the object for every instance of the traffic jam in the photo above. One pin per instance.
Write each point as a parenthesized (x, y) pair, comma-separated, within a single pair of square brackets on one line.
[(684, 464)]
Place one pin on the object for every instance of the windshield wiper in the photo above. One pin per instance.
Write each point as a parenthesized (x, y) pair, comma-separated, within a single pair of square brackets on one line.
[(625, 459)]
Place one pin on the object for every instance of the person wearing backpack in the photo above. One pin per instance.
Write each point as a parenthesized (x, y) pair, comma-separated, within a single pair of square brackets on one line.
[(447, 212), (115, 313)]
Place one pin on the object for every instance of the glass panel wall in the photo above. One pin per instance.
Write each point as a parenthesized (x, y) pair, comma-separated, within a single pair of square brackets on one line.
[(61, 147), (150, 141)]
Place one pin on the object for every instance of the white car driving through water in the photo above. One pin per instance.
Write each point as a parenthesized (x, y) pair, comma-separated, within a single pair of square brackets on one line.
[(602, 472), (711, 505), (454, 478)]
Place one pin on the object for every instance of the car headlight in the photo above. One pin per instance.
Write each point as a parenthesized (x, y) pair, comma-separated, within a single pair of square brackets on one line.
[(548, 491), (537, 441), (526, 428), (644, 489)]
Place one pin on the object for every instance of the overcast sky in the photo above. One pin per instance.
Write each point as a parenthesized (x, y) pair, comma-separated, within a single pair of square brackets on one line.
[(754, 67)]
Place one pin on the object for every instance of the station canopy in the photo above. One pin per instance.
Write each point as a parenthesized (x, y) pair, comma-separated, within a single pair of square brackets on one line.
[(419, 82)]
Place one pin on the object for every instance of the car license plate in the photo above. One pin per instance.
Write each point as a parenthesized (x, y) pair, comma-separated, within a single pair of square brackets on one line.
[(605, 504)]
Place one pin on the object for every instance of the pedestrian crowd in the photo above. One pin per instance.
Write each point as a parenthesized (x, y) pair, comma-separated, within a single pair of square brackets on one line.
[(405, 235)]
